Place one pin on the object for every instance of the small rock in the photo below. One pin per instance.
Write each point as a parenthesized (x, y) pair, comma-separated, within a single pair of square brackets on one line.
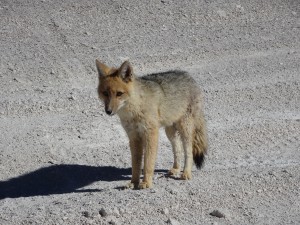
[(72, 98), (172, 221), (152, 191), (52, 72), (165, 211), (103, 212), (122, 211), (172, 191), (11, 69), (113, 222), (86, 214), (217, 213)]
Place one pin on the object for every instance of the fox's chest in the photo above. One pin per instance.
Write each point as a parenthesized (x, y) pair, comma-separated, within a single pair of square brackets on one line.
[(129, 118), (133, 124), (138, 121)]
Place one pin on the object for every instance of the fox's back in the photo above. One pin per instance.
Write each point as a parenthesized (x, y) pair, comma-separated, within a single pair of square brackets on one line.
[(176, 92), (171, 82)]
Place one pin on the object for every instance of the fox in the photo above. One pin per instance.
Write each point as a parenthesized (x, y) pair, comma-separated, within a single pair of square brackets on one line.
[(144, 104)]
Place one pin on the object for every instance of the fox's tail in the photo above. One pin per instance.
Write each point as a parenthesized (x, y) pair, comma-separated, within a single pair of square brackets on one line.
[(200, 141)]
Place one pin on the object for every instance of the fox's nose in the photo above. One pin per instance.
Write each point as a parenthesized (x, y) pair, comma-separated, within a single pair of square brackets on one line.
[(108, 112)]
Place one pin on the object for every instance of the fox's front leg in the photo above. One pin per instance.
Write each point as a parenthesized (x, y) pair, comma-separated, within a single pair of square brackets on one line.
[(151, 144), (136, 148)]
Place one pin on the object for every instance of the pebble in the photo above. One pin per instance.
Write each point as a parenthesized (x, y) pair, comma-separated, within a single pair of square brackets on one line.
[(16, 79), (72, 98), (11, 69), (217, 213), (165, 211), (152, 191), (172, 221), (86, 214), (172, 191), (103, 212), (114, 222), (122, 211)]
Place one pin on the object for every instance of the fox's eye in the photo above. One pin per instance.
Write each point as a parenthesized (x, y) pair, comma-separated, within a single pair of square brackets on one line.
[(105, 93), (119, 93)]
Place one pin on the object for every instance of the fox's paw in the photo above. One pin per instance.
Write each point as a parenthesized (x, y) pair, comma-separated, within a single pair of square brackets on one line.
[(144, 185), (186, 176), (173, 172), (131, 185)]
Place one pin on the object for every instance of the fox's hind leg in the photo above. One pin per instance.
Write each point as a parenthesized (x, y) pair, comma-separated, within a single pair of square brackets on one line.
[(176, 143), (185, 127)]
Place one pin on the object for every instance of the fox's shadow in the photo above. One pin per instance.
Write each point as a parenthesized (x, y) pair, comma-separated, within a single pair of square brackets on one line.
[(60, 179)]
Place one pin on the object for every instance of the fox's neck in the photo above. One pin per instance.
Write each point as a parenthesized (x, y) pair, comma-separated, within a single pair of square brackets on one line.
[(134, 103), (137, 96)]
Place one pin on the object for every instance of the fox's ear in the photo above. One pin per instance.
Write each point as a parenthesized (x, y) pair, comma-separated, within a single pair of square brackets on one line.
[(125, 71), (103, 70)]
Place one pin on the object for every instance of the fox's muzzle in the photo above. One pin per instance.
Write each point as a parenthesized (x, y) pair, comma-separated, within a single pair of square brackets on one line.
[(109, 112), (109, 108), (112, 106)]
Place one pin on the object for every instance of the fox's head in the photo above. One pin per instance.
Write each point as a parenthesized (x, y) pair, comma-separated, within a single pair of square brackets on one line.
[(114, 86)]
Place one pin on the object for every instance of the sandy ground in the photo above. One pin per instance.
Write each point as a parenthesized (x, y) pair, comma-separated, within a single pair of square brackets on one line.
[(63, 161)]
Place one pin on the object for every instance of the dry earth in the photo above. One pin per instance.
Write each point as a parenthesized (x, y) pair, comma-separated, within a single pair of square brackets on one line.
[(63, 161)]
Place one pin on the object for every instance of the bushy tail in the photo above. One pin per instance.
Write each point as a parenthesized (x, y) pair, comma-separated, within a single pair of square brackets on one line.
[(200, 142)]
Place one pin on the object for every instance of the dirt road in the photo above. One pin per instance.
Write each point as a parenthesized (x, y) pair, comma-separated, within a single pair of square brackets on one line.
[(63, 161)]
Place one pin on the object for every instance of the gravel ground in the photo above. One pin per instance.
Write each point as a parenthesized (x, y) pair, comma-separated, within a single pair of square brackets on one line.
[(63, 161)]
